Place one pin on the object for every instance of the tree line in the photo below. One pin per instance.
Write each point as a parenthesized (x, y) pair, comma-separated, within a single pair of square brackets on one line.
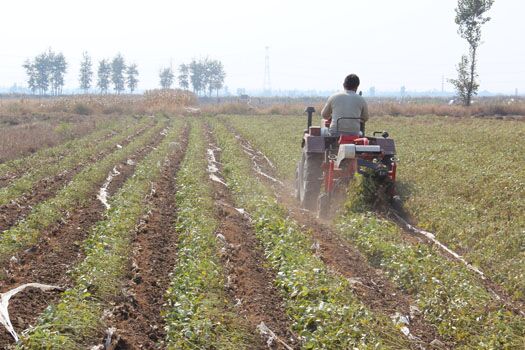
[(205, 76), (45, 75)]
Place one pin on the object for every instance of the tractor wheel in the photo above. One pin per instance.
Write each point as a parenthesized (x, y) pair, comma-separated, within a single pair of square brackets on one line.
[(308, 179)]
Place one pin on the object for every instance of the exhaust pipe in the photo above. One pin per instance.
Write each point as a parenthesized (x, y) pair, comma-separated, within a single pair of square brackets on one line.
[(310, 111)]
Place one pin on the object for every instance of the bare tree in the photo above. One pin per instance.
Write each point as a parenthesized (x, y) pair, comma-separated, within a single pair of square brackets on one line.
[(470, 16)]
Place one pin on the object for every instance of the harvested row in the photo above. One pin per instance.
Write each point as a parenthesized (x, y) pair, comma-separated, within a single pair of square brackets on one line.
[(198, 313), (78, 319), (448, 295), (58, 249), (325, 312), (44, 157), (27, 231), (250, 281), (18, 198)]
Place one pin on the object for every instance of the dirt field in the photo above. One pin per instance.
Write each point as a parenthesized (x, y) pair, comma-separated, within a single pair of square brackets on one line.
[(182, 232)]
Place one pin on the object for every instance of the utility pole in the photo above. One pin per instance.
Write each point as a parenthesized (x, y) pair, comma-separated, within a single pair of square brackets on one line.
[(267, 87), (443, 84)]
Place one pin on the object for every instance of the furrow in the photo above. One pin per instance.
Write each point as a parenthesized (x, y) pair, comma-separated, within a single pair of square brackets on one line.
[(57, 250), (79, 319), (371, 286), (449, 297), (17, 200), (75, 193), (136, 316), (249, 282), (325, 310), (199, 314)]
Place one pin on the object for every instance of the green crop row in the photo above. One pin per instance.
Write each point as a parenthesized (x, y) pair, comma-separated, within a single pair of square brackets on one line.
[(447, 294), (76, 192), (198, 314), (325, 312), (78, 153), (279, 138), (78, 315), (50, 155)]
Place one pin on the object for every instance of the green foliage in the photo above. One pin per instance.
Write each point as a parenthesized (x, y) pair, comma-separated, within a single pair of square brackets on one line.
[(470, 16), (277, 137), (46, 156), (199, 313), (468, 188)]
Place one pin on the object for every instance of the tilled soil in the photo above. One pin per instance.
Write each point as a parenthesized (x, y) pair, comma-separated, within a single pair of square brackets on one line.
[(370, 285), (250, 282), (136, 315), (57, 251), (46, 188)]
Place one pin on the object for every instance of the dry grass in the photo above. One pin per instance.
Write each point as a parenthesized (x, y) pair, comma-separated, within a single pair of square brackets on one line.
[(151, 102), (378, 107), (29, 124), (23, 139)]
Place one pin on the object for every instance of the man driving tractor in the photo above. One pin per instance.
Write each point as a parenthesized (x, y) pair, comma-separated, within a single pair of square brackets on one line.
[(346, 104), (332, 154)]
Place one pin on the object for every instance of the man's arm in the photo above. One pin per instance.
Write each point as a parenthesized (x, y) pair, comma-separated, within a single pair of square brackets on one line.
[(326, 113)]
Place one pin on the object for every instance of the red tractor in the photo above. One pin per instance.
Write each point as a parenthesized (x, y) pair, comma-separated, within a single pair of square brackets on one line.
[(328, 163)]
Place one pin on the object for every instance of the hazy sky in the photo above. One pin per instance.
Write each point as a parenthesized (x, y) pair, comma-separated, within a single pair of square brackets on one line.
[(313, 44)]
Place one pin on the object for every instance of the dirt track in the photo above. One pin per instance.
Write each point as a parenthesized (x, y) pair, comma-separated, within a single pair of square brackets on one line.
[(369, 284), (58, 249), (250, 283)]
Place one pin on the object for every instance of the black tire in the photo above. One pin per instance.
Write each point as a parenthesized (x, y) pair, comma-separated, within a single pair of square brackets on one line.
[(309, 179)]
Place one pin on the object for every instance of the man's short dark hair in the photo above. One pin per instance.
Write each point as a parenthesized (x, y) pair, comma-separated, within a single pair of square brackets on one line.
[(351, 82)]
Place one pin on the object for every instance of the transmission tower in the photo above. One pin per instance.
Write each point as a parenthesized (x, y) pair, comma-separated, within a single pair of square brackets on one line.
[(267, 87)]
